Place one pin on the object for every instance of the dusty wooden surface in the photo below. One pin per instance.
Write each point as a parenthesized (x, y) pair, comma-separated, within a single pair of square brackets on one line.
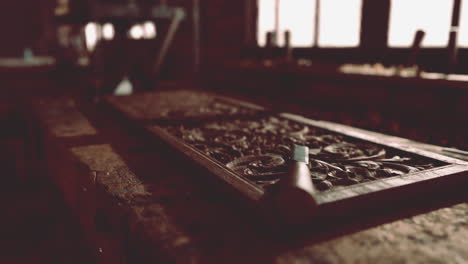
[(157, 105), (62, 118), (172, 217)]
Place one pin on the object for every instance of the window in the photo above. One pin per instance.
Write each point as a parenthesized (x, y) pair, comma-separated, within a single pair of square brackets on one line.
[(338, 26), (463, 29), (434, 19), (340, 23), (295, 16), (265, 20), (431, 16)]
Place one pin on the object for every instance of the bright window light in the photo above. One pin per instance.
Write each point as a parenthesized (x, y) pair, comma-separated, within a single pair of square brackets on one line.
[(463, 31), (266, 20), (136, 31), (92, 35), (149, 29), (340, 23), (296, 16), (108, 31), (431, 16)]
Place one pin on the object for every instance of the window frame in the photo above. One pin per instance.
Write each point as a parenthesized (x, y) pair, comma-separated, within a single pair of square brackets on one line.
[(373, 45)]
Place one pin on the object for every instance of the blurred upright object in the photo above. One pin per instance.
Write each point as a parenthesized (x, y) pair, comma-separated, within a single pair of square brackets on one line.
[(415, 48), (139, 56), (269, 46), (452, 44), (270, 39), (287, 45)]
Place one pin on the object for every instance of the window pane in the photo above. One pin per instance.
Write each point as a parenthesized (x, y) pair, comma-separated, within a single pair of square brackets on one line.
[(266, 20), (296, 16), (340, 23), (408, 16), (463, 31)]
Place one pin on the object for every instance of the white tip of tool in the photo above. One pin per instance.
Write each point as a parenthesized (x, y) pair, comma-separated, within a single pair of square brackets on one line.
[(125, 87)]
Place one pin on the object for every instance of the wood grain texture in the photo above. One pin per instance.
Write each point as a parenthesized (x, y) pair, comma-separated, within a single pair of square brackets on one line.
[(149, 224), (110, 171)]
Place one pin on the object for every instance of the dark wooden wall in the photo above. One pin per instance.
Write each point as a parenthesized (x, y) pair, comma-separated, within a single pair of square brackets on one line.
[(223, 29), (20, 25), (221, 36), (24, 23)]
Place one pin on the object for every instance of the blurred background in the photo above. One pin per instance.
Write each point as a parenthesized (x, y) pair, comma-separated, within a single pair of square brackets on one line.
[(390, 65)]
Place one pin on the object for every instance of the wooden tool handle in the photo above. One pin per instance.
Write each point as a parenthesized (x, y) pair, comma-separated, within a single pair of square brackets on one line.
[(295, 201), (299, 178)]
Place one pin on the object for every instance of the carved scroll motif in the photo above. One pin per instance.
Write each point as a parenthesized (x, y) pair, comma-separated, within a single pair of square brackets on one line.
[(258, 149)]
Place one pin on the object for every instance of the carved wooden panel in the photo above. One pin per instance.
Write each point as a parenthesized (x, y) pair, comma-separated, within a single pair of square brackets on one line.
[(249, 148)]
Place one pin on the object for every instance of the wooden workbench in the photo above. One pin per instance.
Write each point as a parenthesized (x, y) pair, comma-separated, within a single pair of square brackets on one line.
[(138, 204)]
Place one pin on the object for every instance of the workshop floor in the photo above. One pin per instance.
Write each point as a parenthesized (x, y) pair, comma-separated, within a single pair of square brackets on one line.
[(36, 227)]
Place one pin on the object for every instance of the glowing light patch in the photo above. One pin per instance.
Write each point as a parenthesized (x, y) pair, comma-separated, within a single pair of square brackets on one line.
[(149, 29), (136, 32), (340, 23), (108, 31), (92, 35), (407, 17)]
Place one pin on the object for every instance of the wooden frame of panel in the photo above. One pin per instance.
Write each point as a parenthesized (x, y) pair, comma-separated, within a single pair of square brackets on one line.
[(334, 201)]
